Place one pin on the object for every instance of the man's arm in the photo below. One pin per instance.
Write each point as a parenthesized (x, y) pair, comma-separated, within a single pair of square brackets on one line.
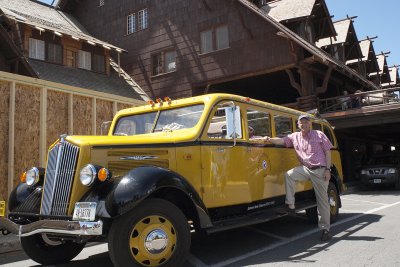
[(275, 140), (328, 159)]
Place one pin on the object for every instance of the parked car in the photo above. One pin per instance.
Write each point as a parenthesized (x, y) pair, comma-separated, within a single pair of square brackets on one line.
[(382, 169)]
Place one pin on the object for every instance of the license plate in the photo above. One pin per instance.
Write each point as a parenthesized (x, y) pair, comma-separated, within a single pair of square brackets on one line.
[(84, 211), (377, 181), (2, 208)]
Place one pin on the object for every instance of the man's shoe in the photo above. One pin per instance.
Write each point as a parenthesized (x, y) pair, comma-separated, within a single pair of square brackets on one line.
[(286, 210), (326, 235)]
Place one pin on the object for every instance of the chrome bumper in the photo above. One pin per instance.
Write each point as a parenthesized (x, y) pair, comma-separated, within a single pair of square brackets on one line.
[(75, 228)]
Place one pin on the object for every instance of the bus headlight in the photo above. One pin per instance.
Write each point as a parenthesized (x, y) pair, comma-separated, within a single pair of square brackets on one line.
[(88, 175), (32, 176)]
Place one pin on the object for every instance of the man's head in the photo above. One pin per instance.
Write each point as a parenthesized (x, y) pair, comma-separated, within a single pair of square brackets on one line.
[(304, 123)]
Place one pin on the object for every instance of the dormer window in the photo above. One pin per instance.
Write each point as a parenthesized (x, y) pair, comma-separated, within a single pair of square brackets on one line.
[(54, 53), (36, 49), (84, 60)]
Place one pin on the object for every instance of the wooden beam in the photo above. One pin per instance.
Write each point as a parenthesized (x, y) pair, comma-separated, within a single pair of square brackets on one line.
[(322, 89), (11, 137), (293, 83), (94, 116), (43, 127), (70, 114)]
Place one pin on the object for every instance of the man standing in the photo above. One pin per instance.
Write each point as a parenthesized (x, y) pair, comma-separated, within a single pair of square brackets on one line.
[(313, 151)]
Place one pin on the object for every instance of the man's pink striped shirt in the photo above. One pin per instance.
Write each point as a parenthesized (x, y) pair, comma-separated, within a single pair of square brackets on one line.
[(310, 148)]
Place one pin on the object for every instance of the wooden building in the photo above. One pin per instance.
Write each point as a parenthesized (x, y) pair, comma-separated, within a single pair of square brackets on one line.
[(260, 49), (39, 41)]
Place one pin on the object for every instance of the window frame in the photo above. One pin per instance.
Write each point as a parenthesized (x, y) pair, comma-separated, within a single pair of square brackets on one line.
[(287, 116), (162, 62), (214, 39), (48, 45), (266, 112), (87, 62), (128, 28), (36, 44)]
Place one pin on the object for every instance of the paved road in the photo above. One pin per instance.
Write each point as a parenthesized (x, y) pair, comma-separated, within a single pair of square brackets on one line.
[(367, 234)]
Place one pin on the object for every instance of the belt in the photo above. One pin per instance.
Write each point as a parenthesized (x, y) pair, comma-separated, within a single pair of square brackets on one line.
[(316, 167)]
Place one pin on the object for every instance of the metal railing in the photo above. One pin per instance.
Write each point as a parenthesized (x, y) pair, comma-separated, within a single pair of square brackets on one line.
[(358, 100)]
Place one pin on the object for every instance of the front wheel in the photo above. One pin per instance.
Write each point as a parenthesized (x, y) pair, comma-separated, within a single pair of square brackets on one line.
[(47, 252), (333, 199), (156, 233)]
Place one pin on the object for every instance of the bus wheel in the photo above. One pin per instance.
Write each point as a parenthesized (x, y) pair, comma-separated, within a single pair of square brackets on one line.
[(156, 233)]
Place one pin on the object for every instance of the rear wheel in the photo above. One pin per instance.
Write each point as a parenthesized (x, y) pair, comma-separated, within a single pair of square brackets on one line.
[(333, 199), (47, 252), (156, 233)]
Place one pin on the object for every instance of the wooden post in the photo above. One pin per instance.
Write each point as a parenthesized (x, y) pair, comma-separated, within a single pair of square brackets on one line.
[(94, 115), (70, 114), (11, 136), (43, 127), (115, 108)]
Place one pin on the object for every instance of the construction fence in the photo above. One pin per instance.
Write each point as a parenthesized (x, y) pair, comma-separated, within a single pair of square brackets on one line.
[(34, 113)]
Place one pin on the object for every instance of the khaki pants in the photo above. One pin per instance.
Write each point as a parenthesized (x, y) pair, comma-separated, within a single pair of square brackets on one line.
[(316, 176)]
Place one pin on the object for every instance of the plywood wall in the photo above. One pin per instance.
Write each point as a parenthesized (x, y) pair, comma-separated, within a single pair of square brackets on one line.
[(27, 133), (40, 112), (82, 115), (57, 116), (4, 115), (104, 110)]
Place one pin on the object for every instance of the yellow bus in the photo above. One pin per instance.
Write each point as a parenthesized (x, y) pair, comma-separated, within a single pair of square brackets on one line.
[(163, 169)]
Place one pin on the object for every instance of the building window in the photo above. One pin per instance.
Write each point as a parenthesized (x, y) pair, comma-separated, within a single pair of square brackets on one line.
[(54, 53), (131, 23), (101, 2), (206, 41), (142, 19), (214, 39), (163, 62), (36, 49), (98, 63), (84, 60), (222, 37), (141, 23)]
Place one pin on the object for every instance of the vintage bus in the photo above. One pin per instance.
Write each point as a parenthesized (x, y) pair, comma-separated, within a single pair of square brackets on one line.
[(164, 170)]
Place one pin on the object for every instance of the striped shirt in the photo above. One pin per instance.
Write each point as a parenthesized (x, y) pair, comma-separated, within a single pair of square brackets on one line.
[(311, 148)]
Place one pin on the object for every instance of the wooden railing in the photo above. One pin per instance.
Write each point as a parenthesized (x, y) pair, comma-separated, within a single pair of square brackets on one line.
[(358, 100)]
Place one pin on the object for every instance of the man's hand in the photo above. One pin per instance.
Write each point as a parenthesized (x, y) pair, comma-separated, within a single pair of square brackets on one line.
[(275, 140), (327, 175)]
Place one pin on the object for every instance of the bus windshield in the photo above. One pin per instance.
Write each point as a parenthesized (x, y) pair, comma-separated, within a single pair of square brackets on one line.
[(159, 121)]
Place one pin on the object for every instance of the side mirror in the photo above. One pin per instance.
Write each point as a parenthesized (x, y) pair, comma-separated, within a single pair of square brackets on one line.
[(233, 122)]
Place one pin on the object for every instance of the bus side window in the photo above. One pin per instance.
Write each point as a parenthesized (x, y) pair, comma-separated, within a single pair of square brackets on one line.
[(316, 126), (283, 125), (218, 126), (329, 134), (259, 124)]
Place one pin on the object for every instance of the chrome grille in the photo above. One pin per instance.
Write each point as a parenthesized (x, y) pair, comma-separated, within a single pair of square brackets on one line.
[(60, 172)]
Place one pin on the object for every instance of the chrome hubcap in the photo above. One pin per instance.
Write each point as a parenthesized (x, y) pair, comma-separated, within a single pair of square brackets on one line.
[(332, 202), (156, 241)]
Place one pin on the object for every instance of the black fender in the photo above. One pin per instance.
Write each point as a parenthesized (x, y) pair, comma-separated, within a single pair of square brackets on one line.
[(122, 194), (25, 198)]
